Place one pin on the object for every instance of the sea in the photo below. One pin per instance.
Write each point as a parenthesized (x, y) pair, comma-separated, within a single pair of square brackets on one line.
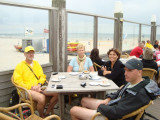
[(77, 36)]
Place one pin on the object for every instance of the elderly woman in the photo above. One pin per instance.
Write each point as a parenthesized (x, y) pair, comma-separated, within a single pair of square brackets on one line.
[(81, 62), (112, 69), (148, 61)]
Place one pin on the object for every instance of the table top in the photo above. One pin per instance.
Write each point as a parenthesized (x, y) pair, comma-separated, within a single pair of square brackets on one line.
[(71, 83)]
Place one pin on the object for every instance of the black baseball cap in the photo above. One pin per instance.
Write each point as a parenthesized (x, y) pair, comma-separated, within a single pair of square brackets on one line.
[(133, 64)]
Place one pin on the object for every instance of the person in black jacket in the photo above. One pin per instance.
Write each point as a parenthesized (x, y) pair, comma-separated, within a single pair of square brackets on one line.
[(112, 69), (148, 61), (156, 45), (95, 57), (133, 95)]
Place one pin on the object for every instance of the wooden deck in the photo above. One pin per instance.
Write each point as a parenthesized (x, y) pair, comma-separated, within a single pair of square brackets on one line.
[(154, 110)]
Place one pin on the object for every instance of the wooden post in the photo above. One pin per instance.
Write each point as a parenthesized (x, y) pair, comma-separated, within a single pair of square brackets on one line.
[(59, 51), (118, 31), (153, 32), (95, 32), (53, 39), (140, 32)]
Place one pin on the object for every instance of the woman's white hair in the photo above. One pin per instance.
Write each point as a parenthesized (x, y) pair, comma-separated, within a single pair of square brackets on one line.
[(80, 45)]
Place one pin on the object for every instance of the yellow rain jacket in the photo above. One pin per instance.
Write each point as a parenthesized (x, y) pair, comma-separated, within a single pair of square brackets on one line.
[(149, 45), (24, 77)]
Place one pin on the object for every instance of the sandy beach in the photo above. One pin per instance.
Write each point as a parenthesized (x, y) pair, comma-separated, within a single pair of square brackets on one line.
[(10, 57), (105, 45)]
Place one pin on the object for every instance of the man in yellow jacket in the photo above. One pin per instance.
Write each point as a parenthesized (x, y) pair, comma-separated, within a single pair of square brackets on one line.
[(29, 74), (149, 45)]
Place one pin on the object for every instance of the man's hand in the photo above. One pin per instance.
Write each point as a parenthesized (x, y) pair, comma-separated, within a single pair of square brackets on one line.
[(106, 101), (36, 88)]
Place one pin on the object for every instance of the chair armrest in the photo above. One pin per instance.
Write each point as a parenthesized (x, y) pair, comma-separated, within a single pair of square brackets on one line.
[(5, 117), (97, 65), (24, 94), (51, 117), (97, 115), (127, 55), (8, 109), (46, 82), (138, 112)]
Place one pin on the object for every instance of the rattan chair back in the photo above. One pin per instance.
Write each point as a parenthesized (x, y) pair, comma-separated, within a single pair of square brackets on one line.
[(95, 66), (25, 95), (6, 113), (126, 55), (149, 72)]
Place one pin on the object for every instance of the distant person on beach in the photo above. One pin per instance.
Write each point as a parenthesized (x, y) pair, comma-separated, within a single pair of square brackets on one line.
[(156, 45), (29, 74), (138, 51), (144, 44), (133, 95), (95, 57), (149, 45), (112, 69), (80, 63)]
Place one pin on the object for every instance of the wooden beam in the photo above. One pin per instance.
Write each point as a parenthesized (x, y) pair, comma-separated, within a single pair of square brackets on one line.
[(95, 32), (59, 40)]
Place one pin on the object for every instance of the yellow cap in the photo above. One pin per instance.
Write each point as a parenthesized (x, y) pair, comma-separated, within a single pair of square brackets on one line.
[(29, 48)]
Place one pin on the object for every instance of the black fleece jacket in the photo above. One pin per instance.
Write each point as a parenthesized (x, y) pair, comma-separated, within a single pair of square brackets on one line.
[(130, 100), (117, 73)]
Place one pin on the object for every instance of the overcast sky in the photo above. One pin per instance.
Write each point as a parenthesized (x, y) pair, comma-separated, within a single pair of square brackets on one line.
[(133, 10)]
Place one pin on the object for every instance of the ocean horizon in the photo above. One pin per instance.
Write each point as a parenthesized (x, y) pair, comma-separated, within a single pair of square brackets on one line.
[(76, 36)]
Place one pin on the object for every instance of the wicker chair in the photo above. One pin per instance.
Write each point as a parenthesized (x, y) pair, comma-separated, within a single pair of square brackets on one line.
[(6, 114), (123, 56), (25, 96), (139, 113), (95, 66), (149, 72), (126, 55)]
